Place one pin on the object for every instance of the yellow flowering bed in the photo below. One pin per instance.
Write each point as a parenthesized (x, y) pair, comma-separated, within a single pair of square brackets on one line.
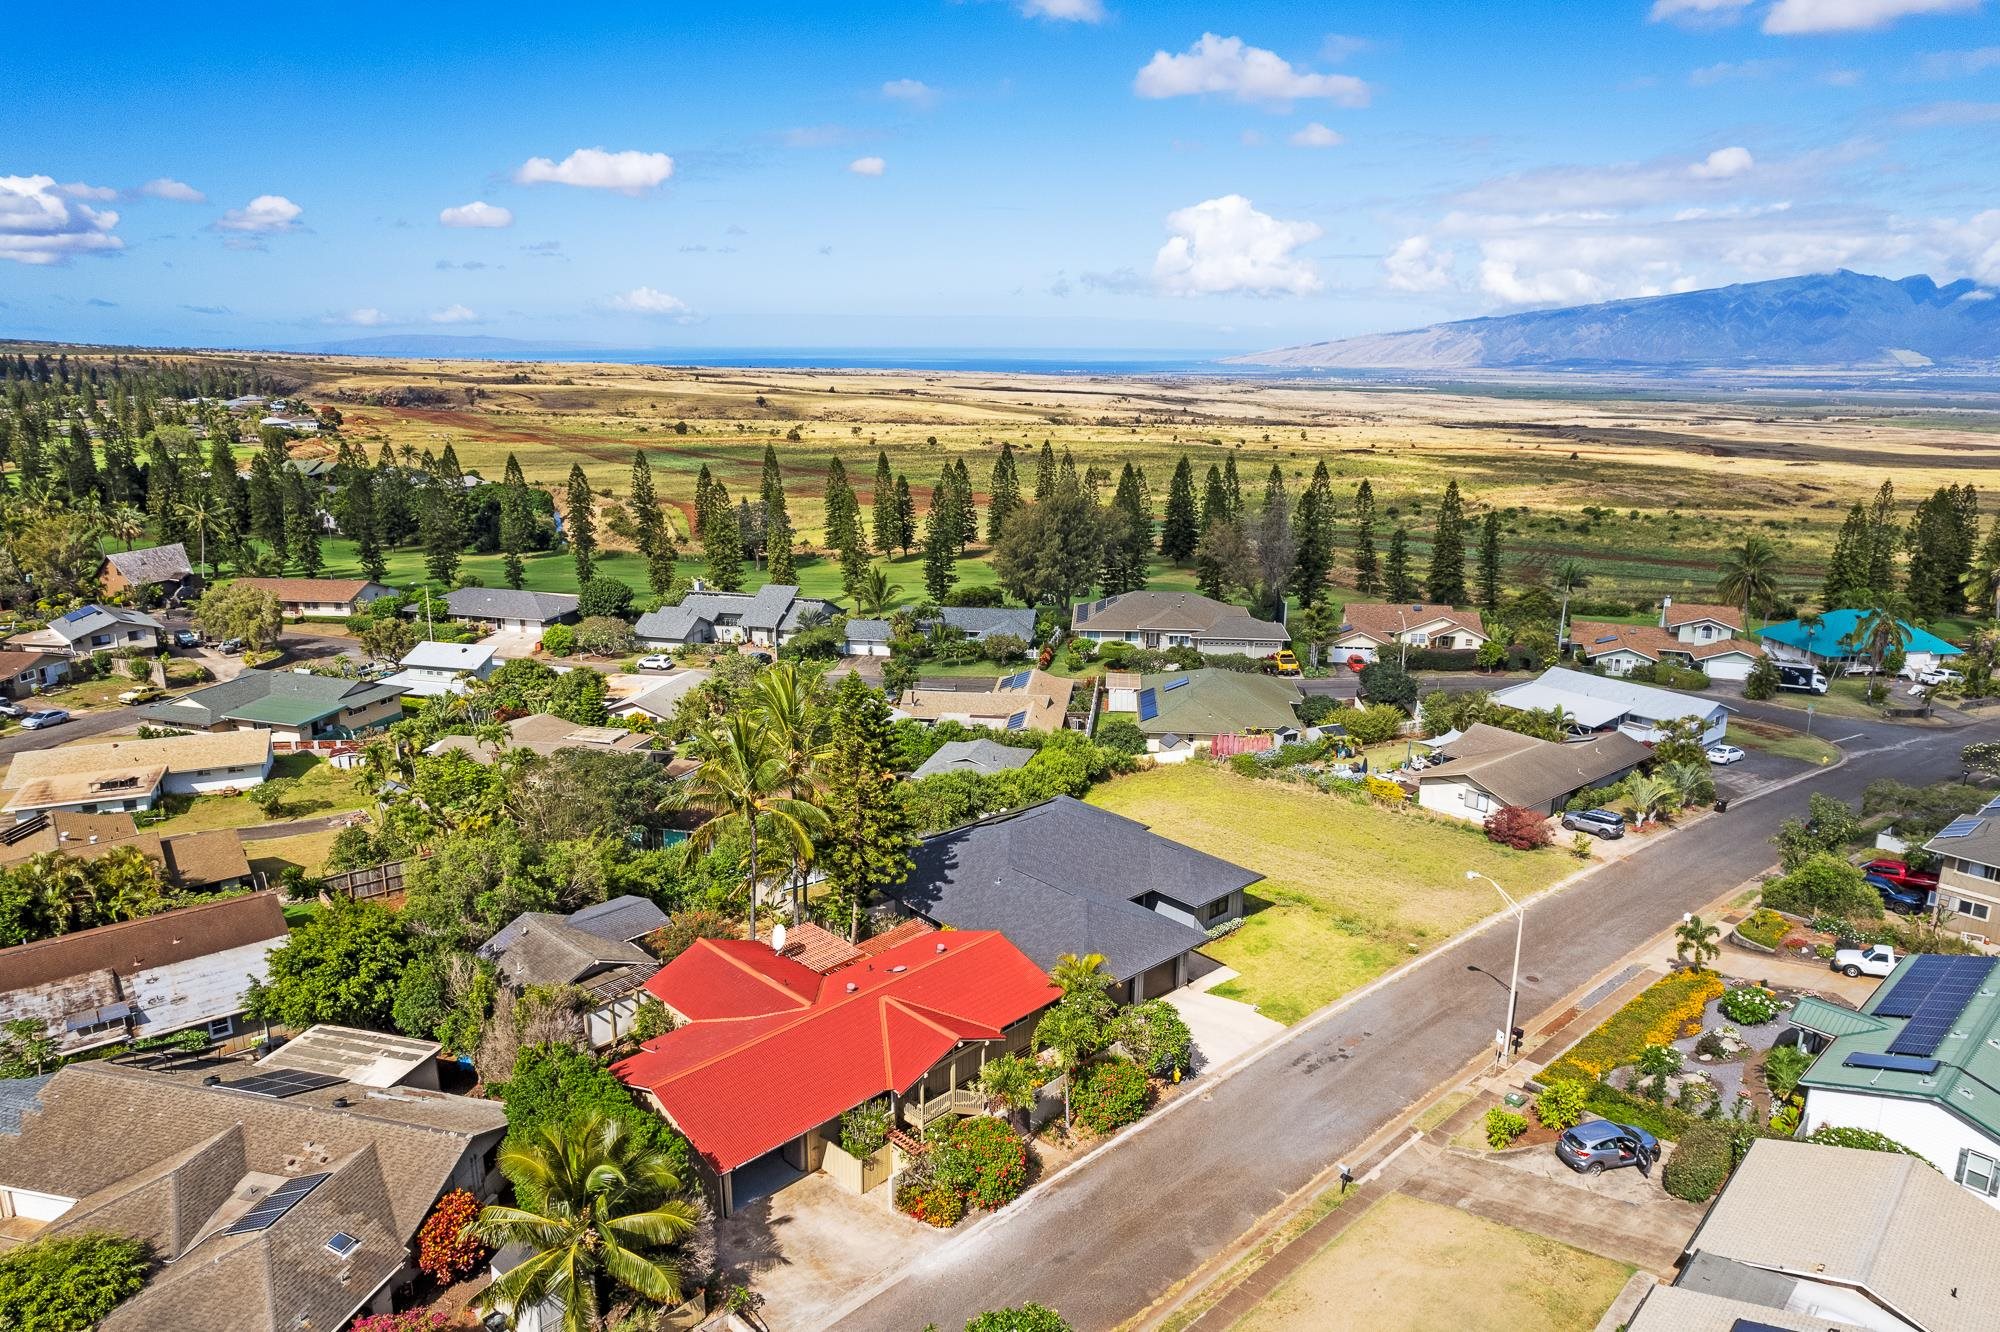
[(1664, 1012)]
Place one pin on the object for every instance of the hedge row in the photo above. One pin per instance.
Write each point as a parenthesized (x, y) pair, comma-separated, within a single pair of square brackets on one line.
[(1664, 1012), (1662, 1121)]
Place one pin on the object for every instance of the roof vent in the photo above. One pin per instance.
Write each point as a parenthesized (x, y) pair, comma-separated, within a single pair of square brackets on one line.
[(211, 1081), (852, 987), (341, 1102), (898, 967), (940, 947)]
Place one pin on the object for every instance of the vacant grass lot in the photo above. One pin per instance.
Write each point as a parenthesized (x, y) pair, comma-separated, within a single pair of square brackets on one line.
[(322, 789), (275, 855), (1764, 737), (1410, 1266), (1844, 698), (1349, 889)]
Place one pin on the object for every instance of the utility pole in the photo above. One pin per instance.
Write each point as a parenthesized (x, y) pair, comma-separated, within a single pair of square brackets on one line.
[(1513, 980)]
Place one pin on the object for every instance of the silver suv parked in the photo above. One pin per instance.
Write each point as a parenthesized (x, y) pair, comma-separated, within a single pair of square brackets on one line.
[(1605, 823)]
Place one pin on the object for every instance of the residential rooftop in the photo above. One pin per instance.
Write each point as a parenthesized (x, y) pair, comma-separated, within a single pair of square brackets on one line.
[(174, 754), (269, 698), (1212, 701), (1174, 612), (1523, 770)]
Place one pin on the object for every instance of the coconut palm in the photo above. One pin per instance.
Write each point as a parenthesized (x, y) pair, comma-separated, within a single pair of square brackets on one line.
[(1688, 781), (875, 594), (126, 523), (1878, 632), (1750, 575), (1982, 579), (201, 514), (743, 781), (1695, 942), (1082, 978), (797, 730), (594, 1206), (1009, 1085)]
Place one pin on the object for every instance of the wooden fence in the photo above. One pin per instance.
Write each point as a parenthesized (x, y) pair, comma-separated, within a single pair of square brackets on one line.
[(361, 885)]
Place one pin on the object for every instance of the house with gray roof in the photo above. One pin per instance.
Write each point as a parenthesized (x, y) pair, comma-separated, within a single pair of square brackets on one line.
[(159, 571), (290, 705), (981, 756), (1968, 892), (272, 1202), (1066, 877), (89, 629), (1488, 768), (1161, 620), (594, 948), (505, 608), (432, 668), (768, 617), (870, 638)]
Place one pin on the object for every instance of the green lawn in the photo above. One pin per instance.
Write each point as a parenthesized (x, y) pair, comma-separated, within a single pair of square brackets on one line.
[(1350, 889), (1763, 737), (322, 789), (1843, 698)]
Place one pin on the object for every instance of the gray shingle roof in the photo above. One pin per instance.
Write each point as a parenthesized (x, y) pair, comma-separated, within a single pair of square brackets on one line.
[(868, 631), (973, 756), (154, 564), (1066, 877), (1188, 612), (984, 621), (621, 919), (669, 624), (504, 603), (87, 620), (537, 948), (772, 608)]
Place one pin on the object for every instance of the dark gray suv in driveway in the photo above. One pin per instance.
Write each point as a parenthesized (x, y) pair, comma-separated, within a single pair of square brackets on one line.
[(1598, 1145), (1605, 823)]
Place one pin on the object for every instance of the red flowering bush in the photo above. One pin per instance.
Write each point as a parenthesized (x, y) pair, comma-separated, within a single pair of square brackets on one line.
[(981, 1159), (1111, 1094), (1522, 829), (447, 1250), (416, 1320), (934, 1206)]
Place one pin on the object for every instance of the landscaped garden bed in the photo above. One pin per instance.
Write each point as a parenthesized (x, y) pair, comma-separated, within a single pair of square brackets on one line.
[(1666, 1011)]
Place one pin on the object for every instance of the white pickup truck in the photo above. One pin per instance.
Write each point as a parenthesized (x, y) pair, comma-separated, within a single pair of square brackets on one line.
[(1879, 960)]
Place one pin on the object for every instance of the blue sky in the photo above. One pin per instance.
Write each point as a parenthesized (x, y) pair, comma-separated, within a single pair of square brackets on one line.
[(968, 173)]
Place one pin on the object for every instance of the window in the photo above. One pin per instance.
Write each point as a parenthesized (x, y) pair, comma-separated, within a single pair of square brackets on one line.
[(1979, 1173), (1217, 910), (221, 1027), (1974, 870), (1478, 800), (1970, 909)]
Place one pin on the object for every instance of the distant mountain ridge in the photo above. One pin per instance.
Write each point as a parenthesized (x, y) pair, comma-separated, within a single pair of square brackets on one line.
[(1841, 319)]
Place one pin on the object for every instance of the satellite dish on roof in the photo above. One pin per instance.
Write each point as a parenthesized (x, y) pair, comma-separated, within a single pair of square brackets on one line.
[(778, 937)]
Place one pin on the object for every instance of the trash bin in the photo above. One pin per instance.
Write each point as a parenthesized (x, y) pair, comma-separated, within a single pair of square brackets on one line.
[(1721, 806)]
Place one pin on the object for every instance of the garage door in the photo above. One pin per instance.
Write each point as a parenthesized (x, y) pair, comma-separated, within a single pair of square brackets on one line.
[(1158, 981)]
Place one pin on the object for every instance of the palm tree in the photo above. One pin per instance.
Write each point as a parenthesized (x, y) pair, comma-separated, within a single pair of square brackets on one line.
[(1876, 633), (875, 593), (797, 732), (126, 523), (742, 780), (1082, 978), (1750, 575), (1695, 940), (200, 513), (1568, 575), (1982, 582), (1650, 794), (1688, 781), (591, 1202)]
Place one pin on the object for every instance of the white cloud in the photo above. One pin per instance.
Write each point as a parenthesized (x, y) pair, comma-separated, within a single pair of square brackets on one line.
[(1950, 114), (478, 213), (628, 172), (648, 301), (1725, 71), (365, 317), (454, 314), (1722, 164), (1841, 78), (174, 191), (867, 166), (914, 91), (1316, 135), (1251, 138), (1065, 11), (1415, 266), (1246, 73), (94, 193), (265, 213), (1796, 17), (1226, 245), (1699, 13), (38, 226), (1959, 64)]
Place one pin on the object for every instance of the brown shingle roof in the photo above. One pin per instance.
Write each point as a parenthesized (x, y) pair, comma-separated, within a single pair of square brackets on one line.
[(1594, 639), (1521, 770), (12, 663), (820, 949), (182, 753), (1179, 612), (151, 941), (1044, 698), (1688, 613), (1383, 620), (203, 858), (308, 589)]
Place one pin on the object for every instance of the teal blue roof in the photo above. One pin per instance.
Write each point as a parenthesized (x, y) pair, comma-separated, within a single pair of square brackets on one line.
[(1829, 639)]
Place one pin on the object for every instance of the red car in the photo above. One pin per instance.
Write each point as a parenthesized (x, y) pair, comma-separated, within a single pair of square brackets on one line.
[(1900, 874)]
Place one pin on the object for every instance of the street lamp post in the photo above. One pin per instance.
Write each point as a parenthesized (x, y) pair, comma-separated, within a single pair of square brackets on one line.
[(1514, 978)]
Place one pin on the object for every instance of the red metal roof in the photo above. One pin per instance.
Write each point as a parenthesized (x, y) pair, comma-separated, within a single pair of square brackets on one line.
[(758, 1070)]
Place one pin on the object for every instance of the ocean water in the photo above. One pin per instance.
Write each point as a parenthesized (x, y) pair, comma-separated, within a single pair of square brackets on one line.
[(948, 361)]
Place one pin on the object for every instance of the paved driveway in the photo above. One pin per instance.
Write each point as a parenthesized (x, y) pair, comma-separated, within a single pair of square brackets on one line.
[(807, 1247), (1222, 1028), (508, 644)]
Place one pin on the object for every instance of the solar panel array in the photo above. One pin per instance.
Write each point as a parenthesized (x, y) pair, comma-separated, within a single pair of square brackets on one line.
[(278, 1083), (1149, 704), (1175, 683), (1963, 827), (1907, 995), (1017, 721), (274, 1205), (1958, 979), (1890, 1063), (1014, 681)]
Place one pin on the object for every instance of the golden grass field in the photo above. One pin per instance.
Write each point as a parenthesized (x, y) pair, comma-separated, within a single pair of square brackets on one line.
[(1670, 483)]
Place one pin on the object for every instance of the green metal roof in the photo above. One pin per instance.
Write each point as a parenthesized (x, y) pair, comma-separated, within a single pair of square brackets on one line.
[(279, 710), (1967, 1080), (1212, 701), (1815, 1014)]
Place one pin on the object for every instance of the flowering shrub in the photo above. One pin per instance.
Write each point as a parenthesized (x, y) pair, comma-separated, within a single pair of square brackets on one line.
[(416, 1320), (1560, 1104), (1384, 790), (1111, 1095), (934, 1206), (1522, 829), (447, 1250), (1751, 1005), (1666, 1011), (1503, 1126), (980, 1160), (1765, 927)]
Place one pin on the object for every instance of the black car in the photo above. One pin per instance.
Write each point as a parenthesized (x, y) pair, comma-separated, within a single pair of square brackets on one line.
[(1604, 823), (1899, 899), (186, 638), (1598, 1145)]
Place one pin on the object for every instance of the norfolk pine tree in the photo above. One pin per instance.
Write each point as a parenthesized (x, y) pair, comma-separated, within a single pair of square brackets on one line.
[(649, 525), (866, 846), (515, 516), (722, 542), (1004, 492), (1182, 528), (581, 524), (906, 515), (940, 544), (1367, 574), (1396, 569), (1489, 562), (1447, 579), (884, 500)]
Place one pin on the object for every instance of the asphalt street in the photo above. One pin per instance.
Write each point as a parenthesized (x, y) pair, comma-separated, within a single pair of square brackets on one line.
[(1103, 1242)]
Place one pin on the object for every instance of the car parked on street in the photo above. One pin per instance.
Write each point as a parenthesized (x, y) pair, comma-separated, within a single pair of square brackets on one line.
[(35, 721), (9, 708), (1899, 873), (1598, 1145), (657, 661), (1604, 823), (1724, 755)]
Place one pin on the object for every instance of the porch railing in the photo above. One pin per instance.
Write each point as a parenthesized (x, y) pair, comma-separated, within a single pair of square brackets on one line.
[(959, 1100)]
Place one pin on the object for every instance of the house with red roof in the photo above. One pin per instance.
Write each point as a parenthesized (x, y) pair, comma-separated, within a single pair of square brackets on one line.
[(771, 1053)]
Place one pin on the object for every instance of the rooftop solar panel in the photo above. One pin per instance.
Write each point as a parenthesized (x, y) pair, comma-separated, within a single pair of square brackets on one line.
[(1175, 683), (274, 1205), (278, 1083), (1015, 681), (1890, 1063), (1958, 980), (1907, 995), (1017, 721), (1964, 827), (1149, 704)]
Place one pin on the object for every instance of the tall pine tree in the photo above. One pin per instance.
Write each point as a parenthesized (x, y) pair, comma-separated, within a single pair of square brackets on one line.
[(1396, 568), (1182, 527), (843, 519), (1215, 501), (1128, 538), (884, 500), (1446, 583), (580, 524), (654, 537), (1489, 562), (1233, 488), (1045, 473), (865, 848), (722, 541), (1885, 535), (1004, 492), (940, 543), (1849, 569), (704, 501), (906, 515), (516, 515), (1312, 546)]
